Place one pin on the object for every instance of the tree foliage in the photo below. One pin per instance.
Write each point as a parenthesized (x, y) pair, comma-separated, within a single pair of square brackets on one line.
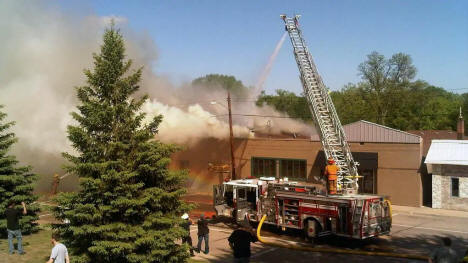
[(387, 95), (16, 182), (384, 82), (129, 205), (218, 81), (287, 102)]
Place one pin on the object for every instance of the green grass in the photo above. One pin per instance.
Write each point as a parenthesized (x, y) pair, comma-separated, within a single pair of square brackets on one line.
[(37, 247)]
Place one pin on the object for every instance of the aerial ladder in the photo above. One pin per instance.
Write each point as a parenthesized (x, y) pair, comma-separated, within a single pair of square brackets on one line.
[(323, 111)]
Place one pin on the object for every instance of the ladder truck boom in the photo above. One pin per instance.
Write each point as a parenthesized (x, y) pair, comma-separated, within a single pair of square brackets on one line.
[(301, 205), (323, 111)]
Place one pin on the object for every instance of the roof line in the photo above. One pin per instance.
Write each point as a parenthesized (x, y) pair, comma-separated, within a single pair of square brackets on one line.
[(451, 141), (385, 127)]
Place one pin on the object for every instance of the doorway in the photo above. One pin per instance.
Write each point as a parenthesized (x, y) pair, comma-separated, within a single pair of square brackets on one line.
[(368, 183)]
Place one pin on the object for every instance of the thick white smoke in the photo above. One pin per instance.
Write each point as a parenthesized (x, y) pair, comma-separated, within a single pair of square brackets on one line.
[(44, 51), (196, 121)]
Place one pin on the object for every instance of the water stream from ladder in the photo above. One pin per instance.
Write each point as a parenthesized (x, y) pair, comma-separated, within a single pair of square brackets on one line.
[(267, 69)]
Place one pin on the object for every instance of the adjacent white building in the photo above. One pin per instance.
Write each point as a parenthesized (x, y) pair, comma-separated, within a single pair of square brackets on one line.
[(447, 161)]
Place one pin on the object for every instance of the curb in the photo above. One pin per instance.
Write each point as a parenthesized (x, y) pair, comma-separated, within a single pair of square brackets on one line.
[(427, 214)]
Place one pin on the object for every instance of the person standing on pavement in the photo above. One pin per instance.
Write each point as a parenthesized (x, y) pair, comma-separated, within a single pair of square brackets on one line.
[(59, 252), (187, 239), (13, 215), (444, 254), (203, 233), (240, 241)]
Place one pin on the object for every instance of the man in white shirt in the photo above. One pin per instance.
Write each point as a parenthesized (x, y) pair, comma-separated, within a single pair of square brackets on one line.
[(59, 252)]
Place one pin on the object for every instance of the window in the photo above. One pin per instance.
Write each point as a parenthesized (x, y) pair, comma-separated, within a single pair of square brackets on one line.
[(241, 193), (293, 169), (263, 167), (296, 169), (455, 184)]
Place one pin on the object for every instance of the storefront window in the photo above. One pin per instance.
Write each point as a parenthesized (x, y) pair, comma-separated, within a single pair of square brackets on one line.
[(291, 168), (263, 167)]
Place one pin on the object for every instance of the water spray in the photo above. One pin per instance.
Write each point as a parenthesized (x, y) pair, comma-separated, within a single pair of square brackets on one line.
[(269, 65)]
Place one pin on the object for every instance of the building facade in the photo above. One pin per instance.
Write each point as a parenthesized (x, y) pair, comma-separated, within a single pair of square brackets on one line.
[(447, 162), (389, 161)]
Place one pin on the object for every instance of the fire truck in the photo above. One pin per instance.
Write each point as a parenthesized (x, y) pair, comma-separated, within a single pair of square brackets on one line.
[(300, 205)]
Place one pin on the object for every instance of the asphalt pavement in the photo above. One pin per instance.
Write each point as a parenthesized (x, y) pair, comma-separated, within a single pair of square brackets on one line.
[(412, 233)]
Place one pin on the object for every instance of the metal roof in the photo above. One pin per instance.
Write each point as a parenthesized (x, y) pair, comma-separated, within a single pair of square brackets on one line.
[(448, 152), (365, 131)]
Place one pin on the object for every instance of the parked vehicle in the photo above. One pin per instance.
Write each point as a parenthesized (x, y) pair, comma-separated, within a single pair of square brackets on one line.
[(300, 206)]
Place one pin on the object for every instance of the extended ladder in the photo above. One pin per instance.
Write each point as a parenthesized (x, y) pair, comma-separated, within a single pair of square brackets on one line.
[(323, 111)]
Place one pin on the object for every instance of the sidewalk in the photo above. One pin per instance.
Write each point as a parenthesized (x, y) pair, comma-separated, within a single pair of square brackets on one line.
[(398, 209)]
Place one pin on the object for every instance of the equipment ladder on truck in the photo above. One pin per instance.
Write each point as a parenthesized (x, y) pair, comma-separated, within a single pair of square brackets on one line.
[(301, 205), (323, 111)]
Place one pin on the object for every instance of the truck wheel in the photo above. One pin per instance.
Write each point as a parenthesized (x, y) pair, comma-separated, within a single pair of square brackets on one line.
[(311, 229)]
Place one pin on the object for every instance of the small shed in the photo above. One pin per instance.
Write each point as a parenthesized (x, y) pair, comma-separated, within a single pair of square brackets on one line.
[(447, 161)]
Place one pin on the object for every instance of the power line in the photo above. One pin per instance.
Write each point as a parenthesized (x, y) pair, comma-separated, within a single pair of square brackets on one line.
[(308, 117)]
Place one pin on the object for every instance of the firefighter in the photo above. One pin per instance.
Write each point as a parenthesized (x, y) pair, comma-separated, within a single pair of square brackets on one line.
[(187, 238), (55, 184), (331, 170)]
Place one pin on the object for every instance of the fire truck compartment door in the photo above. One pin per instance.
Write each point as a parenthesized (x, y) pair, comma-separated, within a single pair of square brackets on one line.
[(244, 200), (343, 219), (218, 194)]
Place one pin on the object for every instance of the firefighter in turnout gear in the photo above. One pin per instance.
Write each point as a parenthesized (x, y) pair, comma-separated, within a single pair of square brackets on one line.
[(331, 171)]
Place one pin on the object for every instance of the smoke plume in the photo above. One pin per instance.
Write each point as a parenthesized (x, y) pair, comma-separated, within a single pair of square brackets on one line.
[(44, 51)]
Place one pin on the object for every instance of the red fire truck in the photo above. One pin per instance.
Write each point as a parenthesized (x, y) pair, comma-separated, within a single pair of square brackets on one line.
[(301, 206)]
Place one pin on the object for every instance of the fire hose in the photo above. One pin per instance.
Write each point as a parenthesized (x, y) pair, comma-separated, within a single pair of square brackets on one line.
[(335, 250)]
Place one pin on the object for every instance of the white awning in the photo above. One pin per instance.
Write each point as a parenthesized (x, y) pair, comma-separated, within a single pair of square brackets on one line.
[(453, 152)]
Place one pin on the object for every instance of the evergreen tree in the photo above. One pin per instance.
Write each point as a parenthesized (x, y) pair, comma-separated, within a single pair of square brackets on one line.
[(129, 205), (16, 182)]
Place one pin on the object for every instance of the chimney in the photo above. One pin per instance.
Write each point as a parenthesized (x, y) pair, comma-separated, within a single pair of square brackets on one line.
[(460, 126)]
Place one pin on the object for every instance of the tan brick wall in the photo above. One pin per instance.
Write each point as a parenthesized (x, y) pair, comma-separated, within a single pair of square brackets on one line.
[(398, 171), (397, 174)]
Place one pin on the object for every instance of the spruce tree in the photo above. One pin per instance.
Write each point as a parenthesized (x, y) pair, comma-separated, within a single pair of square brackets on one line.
[(16, 182), (129, 204)]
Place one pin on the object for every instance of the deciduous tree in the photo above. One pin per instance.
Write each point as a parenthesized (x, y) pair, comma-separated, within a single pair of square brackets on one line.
[(218, 81)]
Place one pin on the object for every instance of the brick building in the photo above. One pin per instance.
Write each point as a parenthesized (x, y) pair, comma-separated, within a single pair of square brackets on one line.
[(447, 161), (427, 137), (389, 160)]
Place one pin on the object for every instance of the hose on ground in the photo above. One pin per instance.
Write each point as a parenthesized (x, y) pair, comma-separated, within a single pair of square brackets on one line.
[(334, 250)]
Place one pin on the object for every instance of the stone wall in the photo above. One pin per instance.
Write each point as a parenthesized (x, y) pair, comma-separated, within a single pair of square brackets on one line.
[(441, 187), (436, 191)]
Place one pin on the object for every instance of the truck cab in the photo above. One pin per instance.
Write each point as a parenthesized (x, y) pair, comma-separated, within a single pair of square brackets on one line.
[(237, 199)]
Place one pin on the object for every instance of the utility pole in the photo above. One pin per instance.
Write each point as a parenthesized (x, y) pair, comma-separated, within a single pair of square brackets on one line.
[(231, 139)]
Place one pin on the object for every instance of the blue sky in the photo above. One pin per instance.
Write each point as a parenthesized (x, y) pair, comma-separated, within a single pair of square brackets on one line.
[(195, 38)]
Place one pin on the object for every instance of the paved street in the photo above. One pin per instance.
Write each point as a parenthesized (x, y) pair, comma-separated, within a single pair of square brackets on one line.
[(411, 233)]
